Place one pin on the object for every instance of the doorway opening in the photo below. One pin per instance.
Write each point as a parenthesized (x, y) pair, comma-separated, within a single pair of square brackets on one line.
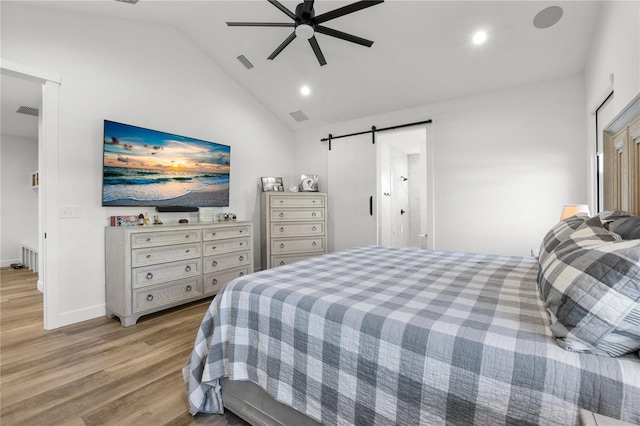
[(380, 189), (48, 130), (401, 182)]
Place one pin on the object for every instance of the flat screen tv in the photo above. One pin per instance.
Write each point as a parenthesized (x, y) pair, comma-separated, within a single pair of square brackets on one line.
[(149, 168)]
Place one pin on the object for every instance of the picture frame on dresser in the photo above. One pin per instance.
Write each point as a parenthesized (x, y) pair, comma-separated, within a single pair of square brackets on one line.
[(308, 183), (272, 184)]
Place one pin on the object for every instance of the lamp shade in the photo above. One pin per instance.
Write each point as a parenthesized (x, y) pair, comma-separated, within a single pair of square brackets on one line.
[(573, 209)]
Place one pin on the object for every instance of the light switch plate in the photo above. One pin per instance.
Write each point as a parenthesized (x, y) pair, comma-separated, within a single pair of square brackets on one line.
[(69, 212)]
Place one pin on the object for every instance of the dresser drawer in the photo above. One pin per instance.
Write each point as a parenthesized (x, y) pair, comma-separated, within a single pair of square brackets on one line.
[(165, 294), (142, 257), (287, 260), (150, 275), (226, 233), (226, 261), (215, 281), (297, 201), (225, 246), (297, 245), (283, 215), (153, 239), (296, 229)]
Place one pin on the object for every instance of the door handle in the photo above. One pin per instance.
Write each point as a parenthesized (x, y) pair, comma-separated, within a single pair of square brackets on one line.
[(371, 205)]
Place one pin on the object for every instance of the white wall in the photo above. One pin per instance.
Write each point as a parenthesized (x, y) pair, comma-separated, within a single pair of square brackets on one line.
[(505, 162), (615, 52), (18, 201), (146, 75)]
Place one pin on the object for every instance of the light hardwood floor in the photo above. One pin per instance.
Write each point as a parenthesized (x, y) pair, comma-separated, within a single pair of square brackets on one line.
[(95, 372)]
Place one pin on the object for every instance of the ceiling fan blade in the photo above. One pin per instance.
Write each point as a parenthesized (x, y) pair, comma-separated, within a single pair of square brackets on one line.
[(261, 24), (345, 10), (284, 44), (343, 36), (286, 11), (307, 9), (316, 49)]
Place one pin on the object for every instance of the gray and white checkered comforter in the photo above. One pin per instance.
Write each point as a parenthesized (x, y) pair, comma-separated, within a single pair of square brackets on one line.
[(382, 336)]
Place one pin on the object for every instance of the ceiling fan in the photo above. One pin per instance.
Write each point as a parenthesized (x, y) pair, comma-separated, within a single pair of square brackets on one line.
[(306, 24)]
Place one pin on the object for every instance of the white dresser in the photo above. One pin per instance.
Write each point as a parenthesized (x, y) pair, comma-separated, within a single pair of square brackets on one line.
[(293, 227), (152, 268)]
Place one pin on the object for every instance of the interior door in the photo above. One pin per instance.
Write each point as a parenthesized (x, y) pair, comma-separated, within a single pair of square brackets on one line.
[(352, 189)]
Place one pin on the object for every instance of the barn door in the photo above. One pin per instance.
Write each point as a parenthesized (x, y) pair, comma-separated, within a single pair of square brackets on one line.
[(352, 189)]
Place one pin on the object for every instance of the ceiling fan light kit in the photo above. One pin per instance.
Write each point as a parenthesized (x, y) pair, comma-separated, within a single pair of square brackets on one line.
[(305, 25)]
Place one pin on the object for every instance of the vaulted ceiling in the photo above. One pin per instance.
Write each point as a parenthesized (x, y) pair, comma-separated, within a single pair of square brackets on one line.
[(422, 51)]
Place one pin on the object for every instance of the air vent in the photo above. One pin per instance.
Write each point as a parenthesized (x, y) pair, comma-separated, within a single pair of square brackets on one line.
[(128, 1), (28, 111), (244, 61), (298, 116)]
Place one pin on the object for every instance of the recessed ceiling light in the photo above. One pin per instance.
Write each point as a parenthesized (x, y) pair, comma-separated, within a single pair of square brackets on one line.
[(479, 37), (305, 90), (547, 17)]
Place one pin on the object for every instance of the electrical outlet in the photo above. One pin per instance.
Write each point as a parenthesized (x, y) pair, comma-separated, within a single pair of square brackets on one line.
[(69, 212)]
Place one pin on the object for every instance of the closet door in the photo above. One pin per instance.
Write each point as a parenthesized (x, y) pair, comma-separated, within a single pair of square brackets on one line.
[(352, 184)]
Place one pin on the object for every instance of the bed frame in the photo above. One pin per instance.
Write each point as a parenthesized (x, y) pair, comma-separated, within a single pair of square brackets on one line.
[(248, 401)]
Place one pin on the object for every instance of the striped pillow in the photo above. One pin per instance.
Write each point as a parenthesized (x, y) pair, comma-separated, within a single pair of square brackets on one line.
[(589, 280)]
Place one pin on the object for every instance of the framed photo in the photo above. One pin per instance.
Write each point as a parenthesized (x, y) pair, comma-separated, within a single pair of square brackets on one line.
[(308, 183), (270, 184)]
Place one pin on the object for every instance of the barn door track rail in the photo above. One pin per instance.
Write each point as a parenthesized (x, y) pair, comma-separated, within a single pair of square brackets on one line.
[(373, 132)]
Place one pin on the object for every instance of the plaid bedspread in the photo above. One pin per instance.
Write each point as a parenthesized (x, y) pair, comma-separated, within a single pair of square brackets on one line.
[(386, 336)]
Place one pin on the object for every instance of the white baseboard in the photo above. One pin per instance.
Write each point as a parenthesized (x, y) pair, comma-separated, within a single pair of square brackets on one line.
[(79, 315), (40, 286), (7, 263)]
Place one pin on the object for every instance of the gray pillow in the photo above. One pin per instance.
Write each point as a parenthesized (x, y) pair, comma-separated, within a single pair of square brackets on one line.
[(589, 280), (627, 227)]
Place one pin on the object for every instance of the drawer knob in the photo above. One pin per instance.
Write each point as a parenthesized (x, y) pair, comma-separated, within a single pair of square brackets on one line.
[(213, 234), (313, 214), (149, 275), (241, 231), (148, 256), (186, 236), (148, 240), (313, 201), (281, 229), (281, 262), (241, 274), (188, 288), (213, 248), (150, 297), (188, 250), (281, 201), (241, 258), (313, 244), (214, 263), (214, 281), (241, 244), (188, 268), (282, 245), (313, 228), (281, 214)]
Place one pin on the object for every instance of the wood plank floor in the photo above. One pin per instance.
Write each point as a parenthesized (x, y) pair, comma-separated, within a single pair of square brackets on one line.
[(95, 372)]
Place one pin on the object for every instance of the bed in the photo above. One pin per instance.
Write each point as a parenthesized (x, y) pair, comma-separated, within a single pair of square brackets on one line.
[(379, 336)]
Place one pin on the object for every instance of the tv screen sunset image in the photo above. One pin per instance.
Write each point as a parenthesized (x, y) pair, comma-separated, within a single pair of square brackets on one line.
[(149, 168)]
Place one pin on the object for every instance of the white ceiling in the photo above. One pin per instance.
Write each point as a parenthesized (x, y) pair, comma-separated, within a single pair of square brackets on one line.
[(422, 51), (17, 92)]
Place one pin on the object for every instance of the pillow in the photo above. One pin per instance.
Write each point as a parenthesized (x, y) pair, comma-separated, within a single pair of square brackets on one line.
[(627, 227), (589, 280)]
